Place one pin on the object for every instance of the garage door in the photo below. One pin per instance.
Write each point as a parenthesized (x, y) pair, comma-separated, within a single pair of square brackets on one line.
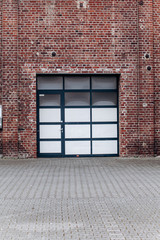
[(77, 115)]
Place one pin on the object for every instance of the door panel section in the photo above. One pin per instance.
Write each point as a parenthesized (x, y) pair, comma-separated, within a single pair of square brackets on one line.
[(77, 99), (50, 147), (103, 99), (104, 130), (104, 114), (50, 131), (77, 131), (50, 115), (104, 147), (49, 100), (104, 82), (77, 115), (77, 82), (77, 147), (50, 82)]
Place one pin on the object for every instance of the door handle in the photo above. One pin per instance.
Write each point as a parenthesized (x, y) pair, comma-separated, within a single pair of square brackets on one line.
[(62, 130)]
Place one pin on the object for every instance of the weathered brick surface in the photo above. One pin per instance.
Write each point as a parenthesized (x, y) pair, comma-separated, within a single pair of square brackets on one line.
[(156, 18), (10, 77), (0, 68), (146, 79), (92, 37)]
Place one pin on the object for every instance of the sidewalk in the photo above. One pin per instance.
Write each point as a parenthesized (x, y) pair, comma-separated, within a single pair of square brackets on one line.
[(80, 199)]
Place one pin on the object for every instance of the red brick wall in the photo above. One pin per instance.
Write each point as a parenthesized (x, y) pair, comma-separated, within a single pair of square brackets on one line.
[(111, 36), (10, 78), (0, 69), (146, 79), (157, 73)]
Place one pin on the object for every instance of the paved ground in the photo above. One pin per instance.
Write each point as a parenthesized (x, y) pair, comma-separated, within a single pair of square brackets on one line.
[(80, 199)]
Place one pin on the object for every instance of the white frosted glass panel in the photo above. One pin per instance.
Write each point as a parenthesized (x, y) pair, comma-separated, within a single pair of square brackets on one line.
[(104, 131), (77, 131), (104, 114), (104, 98), (50, 147), (50, 131), (50, 82), (77, 82), (104, 82), (50, 115), (77, 147), (49, 99), (77, 99), (77, 115), (104, 147)]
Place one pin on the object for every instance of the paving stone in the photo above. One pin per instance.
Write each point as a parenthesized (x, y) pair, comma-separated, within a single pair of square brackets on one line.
[(80, 199)]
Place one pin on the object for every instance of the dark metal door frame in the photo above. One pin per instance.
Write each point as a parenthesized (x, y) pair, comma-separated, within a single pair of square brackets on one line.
[(49, 123), (62, 106)]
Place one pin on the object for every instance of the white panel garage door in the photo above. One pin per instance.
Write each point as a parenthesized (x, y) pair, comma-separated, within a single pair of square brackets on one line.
[(77, 115)]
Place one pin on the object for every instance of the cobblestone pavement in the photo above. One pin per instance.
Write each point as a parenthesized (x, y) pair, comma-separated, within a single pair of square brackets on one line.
[(80, 199)]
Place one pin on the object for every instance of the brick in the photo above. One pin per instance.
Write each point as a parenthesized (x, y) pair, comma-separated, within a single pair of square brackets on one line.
[(99, 37)]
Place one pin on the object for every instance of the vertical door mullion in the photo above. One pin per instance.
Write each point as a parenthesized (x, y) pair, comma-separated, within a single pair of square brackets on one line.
[(91, 112), (63, 121), (117, 116), (38, 137)]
